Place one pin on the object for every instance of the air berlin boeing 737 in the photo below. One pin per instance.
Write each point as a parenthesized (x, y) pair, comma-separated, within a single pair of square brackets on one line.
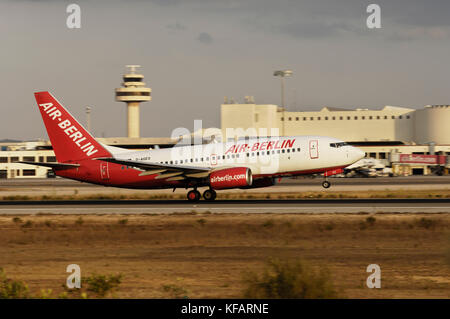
[(247, 163)]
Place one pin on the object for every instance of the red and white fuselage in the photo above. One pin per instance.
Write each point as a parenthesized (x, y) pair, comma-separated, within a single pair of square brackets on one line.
[(245, 163)]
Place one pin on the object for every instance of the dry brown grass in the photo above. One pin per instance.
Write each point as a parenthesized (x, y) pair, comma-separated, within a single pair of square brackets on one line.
[(205, 255)]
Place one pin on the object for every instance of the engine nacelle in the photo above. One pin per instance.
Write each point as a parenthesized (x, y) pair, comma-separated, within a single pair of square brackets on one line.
[(261, 182), (231, 178)]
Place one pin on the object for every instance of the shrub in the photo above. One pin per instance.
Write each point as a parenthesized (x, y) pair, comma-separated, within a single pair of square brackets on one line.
[(268, 223), (17, 220), (371, 220), (426, 223), (101, 285), (288, 281), (45, 294), (28, 224), (175, 292), (123, 221), (12, 289), (201, 221), (79, 221)]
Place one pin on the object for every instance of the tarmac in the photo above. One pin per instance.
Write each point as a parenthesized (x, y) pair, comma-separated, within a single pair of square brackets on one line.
[(351, 206), (59, 186)]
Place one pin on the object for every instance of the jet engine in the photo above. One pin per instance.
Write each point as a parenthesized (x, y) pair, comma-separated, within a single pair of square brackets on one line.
[(231, 178)]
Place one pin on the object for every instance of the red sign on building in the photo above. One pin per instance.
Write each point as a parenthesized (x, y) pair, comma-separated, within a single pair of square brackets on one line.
[(422, 159)]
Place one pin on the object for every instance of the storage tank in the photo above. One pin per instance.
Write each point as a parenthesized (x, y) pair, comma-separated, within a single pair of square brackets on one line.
[(432, 124)]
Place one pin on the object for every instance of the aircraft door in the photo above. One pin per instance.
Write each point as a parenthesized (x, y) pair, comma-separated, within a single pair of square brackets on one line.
[(213, 159), (314, 149), (104, 170)]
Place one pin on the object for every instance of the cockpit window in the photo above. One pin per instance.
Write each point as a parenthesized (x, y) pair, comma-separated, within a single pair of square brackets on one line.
[(337, 145)]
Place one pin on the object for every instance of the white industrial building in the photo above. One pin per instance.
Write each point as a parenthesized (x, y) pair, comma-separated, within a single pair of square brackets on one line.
[(383, 134), (389, 124)]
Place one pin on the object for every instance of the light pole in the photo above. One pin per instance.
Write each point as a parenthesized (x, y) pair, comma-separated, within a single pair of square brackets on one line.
[(88, 118), (282, 74)]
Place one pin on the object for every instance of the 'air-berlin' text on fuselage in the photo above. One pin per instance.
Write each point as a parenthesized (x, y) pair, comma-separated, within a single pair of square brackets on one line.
[(70, 130), (263, 146)]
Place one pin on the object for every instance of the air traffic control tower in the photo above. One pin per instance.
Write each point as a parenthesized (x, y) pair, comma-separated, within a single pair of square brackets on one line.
[(133, 92)]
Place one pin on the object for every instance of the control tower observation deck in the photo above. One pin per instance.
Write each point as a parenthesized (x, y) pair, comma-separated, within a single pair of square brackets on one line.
[(133, 93)]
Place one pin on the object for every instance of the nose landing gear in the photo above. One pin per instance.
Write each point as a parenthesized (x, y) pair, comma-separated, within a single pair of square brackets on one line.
[(326, 184)]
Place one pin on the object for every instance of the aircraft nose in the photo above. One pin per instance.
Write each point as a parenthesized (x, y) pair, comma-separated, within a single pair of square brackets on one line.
[(359, 153)]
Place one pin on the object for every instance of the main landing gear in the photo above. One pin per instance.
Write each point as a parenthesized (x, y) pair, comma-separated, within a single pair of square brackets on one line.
[(326, 184), (208, 195), (193, 195)]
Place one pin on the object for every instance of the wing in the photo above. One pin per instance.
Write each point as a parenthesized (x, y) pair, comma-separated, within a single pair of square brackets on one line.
[(164, 170)]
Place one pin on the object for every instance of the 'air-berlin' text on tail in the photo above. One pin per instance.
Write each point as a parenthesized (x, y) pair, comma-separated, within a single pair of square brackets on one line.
[(70, 141)]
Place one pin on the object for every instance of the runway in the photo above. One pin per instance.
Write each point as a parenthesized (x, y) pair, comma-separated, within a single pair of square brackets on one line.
[(226, 206)]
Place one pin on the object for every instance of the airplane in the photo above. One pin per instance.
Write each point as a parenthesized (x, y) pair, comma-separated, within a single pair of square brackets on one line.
[(243, 164), (367, 167)]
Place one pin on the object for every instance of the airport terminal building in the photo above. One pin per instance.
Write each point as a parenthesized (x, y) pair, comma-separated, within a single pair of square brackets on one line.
[(389, 124), (387, 134)]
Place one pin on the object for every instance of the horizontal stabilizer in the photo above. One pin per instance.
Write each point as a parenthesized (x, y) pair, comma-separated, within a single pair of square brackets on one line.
[(51, 165)]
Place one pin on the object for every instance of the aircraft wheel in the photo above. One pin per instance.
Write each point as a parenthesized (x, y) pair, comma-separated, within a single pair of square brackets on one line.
[(193, 195), (326, 184), (209, 195)]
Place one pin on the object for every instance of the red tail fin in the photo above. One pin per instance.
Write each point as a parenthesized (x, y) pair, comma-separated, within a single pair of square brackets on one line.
[(69, 139)]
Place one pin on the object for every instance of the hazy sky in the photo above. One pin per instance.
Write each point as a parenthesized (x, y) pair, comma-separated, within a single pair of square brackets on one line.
[(195, 52)]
